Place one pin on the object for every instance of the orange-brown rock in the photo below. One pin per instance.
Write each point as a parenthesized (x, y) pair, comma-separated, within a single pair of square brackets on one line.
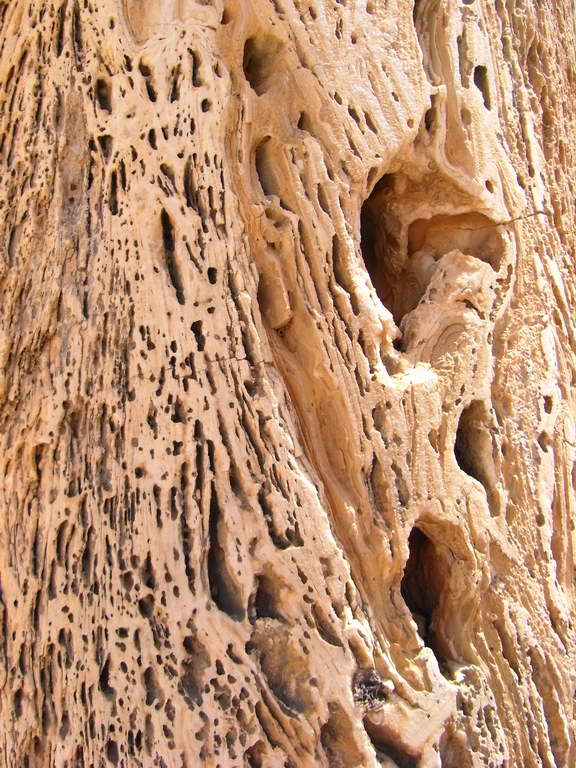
[(287, 364)]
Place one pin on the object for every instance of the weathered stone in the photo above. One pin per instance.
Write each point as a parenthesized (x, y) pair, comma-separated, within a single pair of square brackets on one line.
[(287, 432)]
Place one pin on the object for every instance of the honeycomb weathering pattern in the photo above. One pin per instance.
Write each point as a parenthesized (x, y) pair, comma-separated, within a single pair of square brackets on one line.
[(287, 429)]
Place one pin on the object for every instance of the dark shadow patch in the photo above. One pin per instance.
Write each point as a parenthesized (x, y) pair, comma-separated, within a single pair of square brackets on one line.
[(260, 60), (170, 256), (223, 590), (422, 586)]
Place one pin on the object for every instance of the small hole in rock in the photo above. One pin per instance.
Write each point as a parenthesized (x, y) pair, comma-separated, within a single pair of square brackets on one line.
[(481, 82), (102, 93), (265, 167), (473, 445)]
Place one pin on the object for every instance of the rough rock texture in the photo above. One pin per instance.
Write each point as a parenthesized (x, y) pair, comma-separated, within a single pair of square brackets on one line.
[(287, 423)]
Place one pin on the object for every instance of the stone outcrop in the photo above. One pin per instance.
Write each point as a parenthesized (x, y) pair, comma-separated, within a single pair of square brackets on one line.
[(287, 424)]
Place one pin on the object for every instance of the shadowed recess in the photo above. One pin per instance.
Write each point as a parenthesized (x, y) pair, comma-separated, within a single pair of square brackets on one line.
[(422, 586), (260, 60)]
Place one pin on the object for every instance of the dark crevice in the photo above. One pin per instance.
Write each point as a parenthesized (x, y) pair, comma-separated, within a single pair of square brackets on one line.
[(113, 196), (377, 241), (260, 60), (264, 167), (469, 442), (106, 143), (151, 91), (104, 680), (146, 606), (200, 338), (102, 94), (325, 628), (112, 752), (263, 603), (151, 686), (196, 79), (473, 449), (222, 588), (422, 586), (169, 174), (167, 232), (77, 32), (175, 86), (481, 82), (186, 538), (305, 123), (60, 21), (189, 186), (147, 573), (279, 539), (123, 179), (87, 555), (170, 257), (193, 667)]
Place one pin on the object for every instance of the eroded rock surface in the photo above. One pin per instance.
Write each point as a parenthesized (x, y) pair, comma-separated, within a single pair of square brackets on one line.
[(286, 392)]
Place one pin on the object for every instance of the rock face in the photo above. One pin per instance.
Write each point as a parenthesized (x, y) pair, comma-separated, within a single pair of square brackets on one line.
[(287, 424)]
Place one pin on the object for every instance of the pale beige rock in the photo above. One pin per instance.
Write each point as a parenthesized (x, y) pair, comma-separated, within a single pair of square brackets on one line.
[(286, 394)]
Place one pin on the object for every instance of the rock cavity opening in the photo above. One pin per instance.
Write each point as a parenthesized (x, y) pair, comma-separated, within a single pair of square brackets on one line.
[(261, 60), (422, 586), (400, 251), (379, 241), (481, 82), (474, 450)]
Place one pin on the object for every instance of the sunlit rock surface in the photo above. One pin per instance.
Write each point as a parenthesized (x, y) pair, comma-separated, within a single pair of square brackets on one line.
[(287, 428)]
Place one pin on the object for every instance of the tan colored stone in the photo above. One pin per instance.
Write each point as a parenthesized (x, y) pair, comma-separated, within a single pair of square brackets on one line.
[(287, 434)]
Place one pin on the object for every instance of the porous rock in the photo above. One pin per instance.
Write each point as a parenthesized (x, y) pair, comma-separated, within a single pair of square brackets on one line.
[(287, 433)]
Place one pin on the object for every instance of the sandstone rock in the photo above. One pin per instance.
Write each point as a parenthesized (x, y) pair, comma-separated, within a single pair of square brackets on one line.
[(286, 392)]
